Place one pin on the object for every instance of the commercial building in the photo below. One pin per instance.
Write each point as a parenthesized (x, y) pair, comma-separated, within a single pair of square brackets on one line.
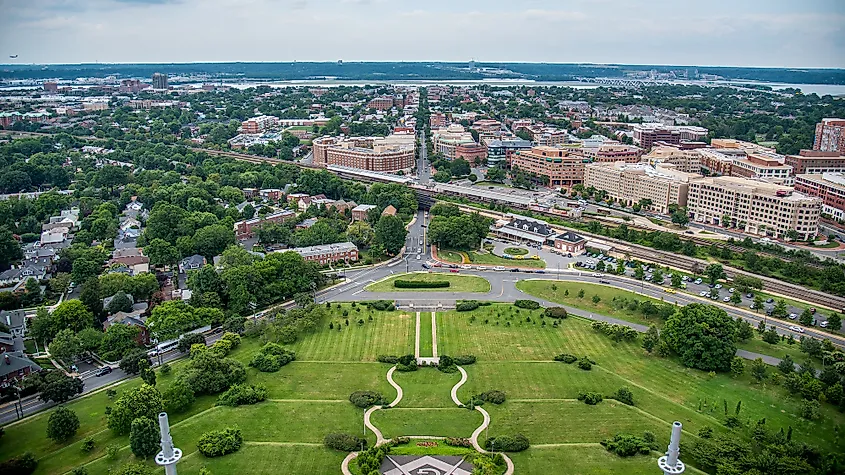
[(247, 229), (648, 133), (437, 120), (830, 136), (381, 103), (740, 145), (487, 126), (259, 124), (764, 166), (446, 140), (472, 152), (500, 151), (829, 186), (630, 183), (159, 81), (382, 154), (570, 242), (755, 207), (521, 229), (613, 153), (687, 161), (328, 253), (815, 161), (564, 167)]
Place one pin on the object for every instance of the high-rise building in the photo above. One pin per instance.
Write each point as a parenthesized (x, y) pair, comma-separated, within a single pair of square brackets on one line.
[(755, 207), (159, 81), (830, 136)]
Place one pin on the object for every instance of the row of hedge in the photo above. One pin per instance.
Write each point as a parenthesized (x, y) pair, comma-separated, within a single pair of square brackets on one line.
[(469, 305), (507, 443), (418, 284)]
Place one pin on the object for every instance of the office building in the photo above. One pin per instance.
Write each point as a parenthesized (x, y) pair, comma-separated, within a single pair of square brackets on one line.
[(381, 154), (500, 151), (446, 140), (437, 120), (816, 161), (830, 136), (629, 183), (475, 154), (648, 133), (159, 81), (830, 187), (755, 207), (764, 166), (564, 167), (687, 161), (51, 87), (613, 153)]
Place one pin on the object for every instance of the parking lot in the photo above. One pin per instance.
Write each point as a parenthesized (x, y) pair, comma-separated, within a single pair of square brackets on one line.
[(699, 286)]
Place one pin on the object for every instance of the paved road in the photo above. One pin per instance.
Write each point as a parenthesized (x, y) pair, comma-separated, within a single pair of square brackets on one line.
[(423, 168), (32, 404)]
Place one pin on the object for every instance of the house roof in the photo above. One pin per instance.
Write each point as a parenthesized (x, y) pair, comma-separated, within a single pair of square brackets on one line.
[(531, 226), (13, 318), (569, 236), (130, 260), (195, 260), (389, 211), (14, 361)]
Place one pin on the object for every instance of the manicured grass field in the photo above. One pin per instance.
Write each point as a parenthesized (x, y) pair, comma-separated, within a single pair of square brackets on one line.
[(426, 349), (457, 283), (556, 291), (665, 389), (590, 459), (260, 459), (494, 260), (516, 251), (779, 350), (440, 422), (389, 333), (453, 257), (426, 387)]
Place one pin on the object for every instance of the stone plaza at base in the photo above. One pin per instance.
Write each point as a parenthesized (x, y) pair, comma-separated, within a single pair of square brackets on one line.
[(425, 465)]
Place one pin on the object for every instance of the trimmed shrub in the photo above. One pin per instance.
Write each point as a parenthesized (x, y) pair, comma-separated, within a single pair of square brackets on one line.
[(625, 396), (387, 359), (220, 442), (494, 396), (23, 464), (590, 398), (381, 305), (87, 444), (406, 363), (586, 363), (615, 331), (243, 394), (507, 443), (464, 360), (555, 312), (365, 399), (344, 442), (627, 445), (271, 357), (527, 304), (467, 305), (370, 460), (566, 358), (447, 364), (62, 424), (417, 284), (458, 442), (232, 338)]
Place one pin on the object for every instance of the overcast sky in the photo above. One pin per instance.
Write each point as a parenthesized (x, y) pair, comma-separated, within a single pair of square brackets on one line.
[(778, 33)]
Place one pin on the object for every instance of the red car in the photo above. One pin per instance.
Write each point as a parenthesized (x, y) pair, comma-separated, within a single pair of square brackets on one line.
[(454, 270)]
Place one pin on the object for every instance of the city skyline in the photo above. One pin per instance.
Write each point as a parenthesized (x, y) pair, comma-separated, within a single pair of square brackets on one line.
[(754, 33)]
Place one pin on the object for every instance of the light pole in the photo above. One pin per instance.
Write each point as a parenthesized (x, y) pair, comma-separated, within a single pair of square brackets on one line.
[(169, 454)]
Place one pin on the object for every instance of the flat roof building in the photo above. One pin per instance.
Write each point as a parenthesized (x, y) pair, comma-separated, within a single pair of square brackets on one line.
[(562, 166), (446, 140), (381, 154), (630, 183), (830, 136), (687, 161), (500, 151), (815, 162), (328, 253), (754, 207), (830, 187), (647, 134)]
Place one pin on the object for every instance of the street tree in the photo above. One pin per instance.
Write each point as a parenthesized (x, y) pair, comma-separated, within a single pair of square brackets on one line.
[(161, 253), (143, 401), (714, 272), (65, 346), (390, 232), (62, 424), (72, 315), (59, 388)]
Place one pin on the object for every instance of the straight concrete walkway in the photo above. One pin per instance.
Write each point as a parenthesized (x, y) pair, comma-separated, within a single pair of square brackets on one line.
[(434, 334)]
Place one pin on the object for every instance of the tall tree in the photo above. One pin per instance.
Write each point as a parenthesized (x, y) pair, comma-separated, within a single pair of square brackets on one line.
[(10, 249), (703, 336), (390, 232)]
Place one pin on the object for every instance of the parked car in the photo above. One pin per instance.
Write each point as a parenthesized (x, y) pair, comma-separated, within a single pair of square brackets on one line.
[(703, 293), (103, 371), (732, 290), (793, 316), (823, 324), (726, 299), (770, 300), (718, 286), (749, 295)]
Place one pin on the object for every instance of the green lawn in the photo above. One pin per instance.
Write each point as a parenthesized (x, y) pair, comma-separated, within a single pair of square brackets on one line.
[(426, 387), (435, 422), (426, 348), (556, 291), (590, 459), (457, 283), (268, 460), (516, 251), (489, 259), (453, 257), (779, 350)]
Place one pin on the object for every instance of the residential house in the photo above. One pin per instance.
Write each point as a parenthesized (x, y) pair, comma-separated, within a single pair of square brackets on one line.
[(21, 273), (16, 320), (191, 263), (136, 264), (359, 213), (272, 194), (389, 211), (15, 366), (55, 235)]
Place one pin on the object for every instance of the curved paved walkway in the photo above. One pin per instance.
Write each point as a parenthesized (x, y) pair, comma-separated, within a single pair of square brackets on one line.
[(380, 440), (486, 422)]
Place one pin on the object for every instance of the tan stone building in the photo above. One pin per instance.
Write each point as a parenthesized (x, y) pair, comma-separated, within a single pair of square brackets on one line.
[(687, 161), (755, 207), (381, 154), (630, 183), (563, 166)]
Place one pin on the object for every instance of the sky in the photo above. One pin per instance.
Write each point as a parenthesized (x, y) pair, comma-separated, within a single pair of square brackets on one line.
[(769, 33)]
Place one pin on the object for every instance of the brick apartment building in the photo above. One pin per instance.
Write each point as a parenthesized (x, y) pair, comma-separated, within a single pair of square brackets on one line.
[(328, 253), (816, 161), (830, 136), (828, 186), (247, 229)]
